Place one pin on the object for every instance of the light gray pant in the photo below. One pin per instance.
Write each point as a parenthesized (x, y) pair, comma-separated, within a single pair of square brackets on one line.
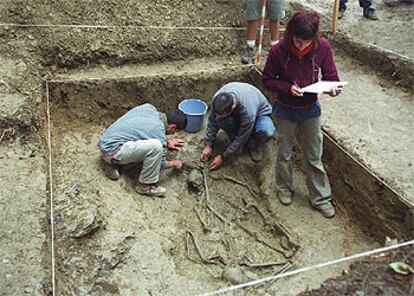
[(311, 141), (149, 152)]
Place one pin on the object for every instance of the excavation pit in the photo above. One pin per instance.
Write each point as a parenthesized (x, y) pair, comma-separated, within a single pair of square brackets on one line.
[(112, 240)]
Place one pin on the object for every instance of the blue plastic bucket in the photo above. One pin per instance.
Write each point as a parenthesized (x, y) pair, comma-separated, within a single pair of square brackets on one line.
[(195, 110)]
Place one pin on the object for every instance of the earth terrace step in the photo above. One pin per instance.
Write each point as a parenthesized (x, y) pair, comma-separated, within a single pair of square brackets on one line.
[(108, 93)]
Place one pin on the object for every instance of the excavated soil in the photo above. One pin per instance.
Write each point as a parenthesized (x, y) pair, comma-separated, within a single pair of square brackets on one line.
[(112, 241), (123, 229)]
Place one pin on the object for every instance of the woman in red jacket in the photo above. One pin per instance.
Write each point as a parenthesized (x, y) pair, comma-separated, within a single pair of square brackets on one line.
[(293, 63)]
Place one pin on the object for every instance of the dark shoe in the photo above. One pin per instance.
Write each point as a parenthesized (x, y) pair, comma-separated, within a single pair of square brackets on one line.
[(248, 54), (341, 12), (327, 210), (370, 14), (150, 189), (391, 3), (256, 153), (285, 198), (111, 171)]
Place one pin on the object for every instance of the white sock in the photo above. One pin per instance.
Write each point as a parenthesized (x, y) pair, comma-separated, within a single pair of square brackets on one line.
[(251, 43), (273, 42)]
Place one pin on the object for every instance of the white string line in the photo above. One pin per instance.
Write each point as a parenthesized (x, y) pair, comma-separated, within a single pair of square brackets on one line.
[(121, 26), (52, 224), (308, 268)]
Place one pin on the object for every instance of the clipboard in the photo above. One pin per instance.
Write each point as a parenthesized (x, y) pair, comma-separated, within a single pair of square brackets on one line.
[(323, 87)]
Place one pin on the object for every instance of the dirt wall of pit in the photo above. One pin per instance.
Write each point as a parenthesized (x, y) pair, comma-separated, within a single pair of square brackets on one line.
[(378, 209)]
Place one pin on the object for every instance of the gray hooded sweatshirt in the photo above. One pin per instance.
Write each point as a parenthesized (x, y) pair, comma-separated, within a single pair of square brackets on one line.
[(251, 104)]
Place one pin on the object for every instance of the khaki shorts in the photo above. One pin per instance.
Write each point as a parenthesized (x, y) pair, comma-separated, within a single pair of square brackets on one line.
[(275, 9)]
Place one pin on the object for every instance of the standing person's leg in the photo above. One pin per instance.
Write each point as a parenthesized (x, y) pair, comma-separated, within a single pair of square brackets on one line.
[(284, 183), (263, 131), (251, 32), (342, 8), (149, 152), (275, 12), (368, 9), (252, 15), (311, 139)]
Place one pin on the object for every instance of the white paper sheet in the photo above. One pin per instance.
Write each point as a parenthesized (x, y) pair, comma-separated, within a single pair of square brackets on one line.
[(323, 86)]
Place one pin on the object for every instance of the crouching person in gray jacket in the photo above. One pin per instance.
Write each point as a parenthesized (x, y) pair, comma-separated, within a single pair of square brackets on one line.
[(140, 135), (244, 113)]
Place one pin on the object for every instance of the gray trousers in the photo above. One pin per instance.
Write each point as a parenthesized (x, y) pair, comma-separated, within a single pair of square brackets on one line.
[(149, 152), (311, 141)]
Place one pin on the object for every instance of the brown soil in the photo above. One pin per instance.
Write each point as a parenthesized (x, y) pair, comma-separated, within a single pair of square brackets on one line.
[(372, 276), (111, 241)]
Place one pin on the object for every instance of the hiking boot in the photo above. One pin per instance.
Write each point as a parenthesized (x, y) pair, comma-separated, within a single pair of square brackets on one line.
[(248, 54), (370, 14), (341, 12), (111, 171), (327, 210), (150, 190), (256, 153), (392, 3), (285, 198)]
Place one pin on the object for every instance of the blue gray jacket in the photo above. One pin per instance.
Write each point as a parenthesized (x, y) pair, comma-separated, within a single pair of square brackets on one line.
[(251, 104), (141, 123)]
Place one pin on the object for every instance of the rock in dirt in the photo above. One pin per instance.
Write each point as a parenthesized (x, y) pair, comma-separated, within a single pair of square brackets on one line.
[(85, 222), (237, 275), (195, 181)]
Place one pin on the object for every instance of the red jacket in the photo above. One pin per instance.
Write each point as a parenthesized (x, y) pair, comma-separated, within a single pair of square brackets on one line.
[(283, 69)]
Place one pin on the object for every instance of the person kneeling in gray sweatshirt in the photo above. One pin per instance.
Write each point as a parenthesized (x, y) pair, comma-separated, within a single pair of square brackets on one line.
[(140, 135)]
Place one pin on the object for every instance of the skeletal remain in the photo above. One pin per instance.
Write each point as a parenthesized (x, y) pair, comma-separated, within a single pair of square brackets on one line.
[(212, 259), (195, 181), (256, 236), (214, 211), (203, 223)]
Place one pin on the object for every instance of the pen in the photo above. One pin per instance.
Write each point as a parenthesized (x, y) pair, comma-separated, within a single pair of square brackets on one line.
[(297, 85)]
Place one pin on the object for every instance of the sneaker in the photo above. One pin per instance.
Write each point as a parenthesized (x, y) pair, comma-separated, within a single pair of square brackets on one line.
[(327, 210), (391, 3), (285, 198), (150, 189), (111, 171), (247, 55), (256, 154), (370, 14), (341, 12)]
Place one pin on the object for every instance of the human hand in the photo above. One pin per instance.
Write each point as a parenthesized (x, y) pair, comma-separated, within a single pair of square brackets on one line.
[(176, 164), (205, 154), (296, 91), (216, 163), (175, 144), (335, 91)]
